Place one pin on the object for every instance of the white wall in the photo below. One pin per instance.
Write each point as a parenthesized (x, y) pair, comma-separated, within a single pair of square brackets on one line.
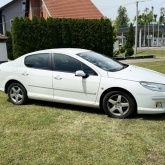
[(116, 45), (3, 52)]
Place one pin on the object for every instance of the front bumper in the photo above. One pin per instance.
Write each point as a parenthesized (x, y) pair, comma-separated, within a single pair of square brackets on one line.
[(156, 106)]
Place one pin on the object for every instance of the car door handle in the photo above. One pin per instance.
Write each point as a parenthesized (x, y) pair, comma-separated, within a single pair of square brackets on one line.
[(58, 77), (25, 74)]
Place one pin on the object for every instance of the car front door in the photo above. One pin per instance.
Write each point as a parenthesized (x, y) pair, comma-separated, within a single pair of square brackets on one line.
[(70, 88), (36, 73)]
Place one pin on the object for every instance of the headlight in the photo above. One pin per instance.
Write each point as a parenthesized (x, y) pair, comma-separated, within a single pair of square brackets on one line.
[(153, 86)]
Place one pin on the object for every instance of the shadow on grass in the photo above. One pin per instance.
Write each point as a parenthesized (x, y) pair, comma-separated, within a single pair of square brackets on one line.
[(67, 107), (156, 117)]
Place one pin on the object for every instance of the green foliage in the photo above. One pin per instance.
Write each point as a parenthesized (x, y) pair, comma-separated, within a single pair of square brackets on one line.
[(130, 41), (36, 34), (122, 18), (115, 53), (130, 37), (122, 49), (9, 45), (146, 17), (129, 52), (162, 16)]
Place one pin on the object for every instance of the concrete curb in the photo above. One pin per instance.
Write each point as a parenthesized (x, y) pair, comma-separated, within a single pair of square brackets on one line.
[(142, 60)]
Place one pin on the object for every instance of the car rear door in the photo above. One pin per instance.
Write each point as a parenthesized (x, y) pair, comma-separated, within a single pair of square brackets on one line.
[(36, 73)]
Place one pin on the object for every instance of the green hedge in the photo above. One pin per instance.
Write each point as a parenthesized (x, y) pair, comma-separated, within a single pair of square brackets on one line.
[(37, 34), (9, 45)]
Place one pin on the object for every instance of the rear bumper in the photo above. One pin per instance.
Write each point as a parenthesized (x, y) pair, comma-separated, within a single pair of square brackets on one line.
[(2, 62)]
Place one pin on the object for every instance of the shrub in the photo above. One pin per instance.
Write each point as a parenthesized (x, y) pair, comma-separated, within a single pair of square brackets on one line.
[(129, 52), (36, 34), (130, 37), (122, 50), (115, 53)]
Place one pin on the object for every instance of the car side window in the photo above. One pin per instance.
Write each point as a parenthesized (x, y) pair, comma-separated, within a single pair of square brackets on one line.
[(38, 61), (65, 63), (88, 70)]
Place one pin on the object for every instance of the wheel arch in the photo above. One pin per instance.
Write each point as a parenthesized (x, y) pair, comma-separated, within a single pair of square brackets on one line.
[(116, 89), (10, 82)]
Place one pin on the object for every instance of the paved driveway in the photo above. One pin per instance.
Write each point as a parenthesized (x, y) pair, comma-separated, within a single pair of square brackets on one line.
[(143, 60)]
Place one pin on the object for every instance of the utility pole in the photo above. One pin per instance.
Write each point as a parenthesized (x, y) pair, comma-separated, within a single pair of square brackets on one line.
[(153, 26), (136, 27), (158, 35), (144, 39), (148, 34)]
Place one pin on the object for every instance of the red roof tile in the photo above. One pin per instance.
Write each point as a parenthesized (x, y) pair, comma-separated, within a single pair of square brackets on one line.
[(73, 9)]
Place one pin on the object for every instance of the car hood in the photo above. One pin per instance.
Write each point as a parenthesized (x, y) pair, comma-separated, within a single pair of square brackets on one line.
[(134, 73)]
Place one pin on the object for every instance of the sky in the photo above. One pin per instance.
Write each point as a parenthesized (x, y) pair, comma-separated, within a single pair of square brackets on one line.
[(109, 7)]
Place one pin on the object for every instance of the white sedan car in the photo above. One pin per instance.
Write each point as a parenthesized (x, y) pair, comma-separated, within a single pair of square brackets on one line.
[(83, 77)]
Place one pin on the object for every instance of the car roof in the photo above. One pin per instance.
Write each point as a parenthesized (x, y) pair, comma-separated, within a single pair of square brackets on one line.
[(61, 50)]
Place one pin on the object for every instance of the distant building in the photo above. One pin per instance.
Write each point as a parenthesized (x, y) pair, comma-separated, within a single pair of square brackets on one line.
[(118, 42), (145, 35)]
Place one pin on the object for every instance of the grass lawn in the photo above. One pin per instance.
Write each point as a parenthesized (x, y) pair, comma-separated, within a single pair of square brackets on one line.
[(158, 53), (142, 52), (158, 66), (51, 133)]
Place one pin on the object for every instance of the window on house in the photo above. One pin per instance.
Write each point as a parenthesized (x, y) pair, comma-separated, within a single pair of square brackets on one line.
[(23, 5), (11, 21)]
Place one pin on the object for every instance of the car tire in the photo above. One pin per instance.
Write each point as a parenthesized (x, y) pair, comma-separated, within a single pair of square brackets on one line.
[(118, 104), (17, 94)]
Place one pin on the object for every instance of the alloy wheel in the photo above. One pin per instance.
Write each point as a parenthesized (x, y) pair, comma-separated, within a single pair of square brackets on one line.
[(118, 105), (16, 94)]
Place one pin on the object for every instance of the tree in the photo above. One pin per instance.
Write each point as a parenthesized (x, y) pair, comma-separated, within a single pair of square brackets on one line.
[(130, 37), (130, 41), (146, 17), (155, 17), (122, 49), (9, 45), (162, 16), (122, 19)]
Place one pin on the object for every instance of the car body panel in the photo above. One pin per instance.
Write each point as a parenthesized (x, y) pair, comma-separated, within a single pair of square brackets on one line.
[(134, 73), (37, 81), (76, 88)]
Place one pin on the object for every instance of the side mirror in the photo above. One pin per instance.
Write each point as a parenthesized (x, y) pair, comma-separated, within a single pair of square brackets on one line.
[(81, 73)]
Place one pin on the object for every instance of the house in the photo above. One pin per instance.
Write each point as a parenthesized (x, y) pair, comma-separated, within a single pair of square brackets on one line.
[(63, 9), (15, 8), (46, 8)]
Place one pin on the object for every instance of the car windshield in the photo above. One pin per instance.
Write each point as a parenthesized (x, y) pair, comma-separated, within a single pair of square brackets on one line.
[(102, 61)]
